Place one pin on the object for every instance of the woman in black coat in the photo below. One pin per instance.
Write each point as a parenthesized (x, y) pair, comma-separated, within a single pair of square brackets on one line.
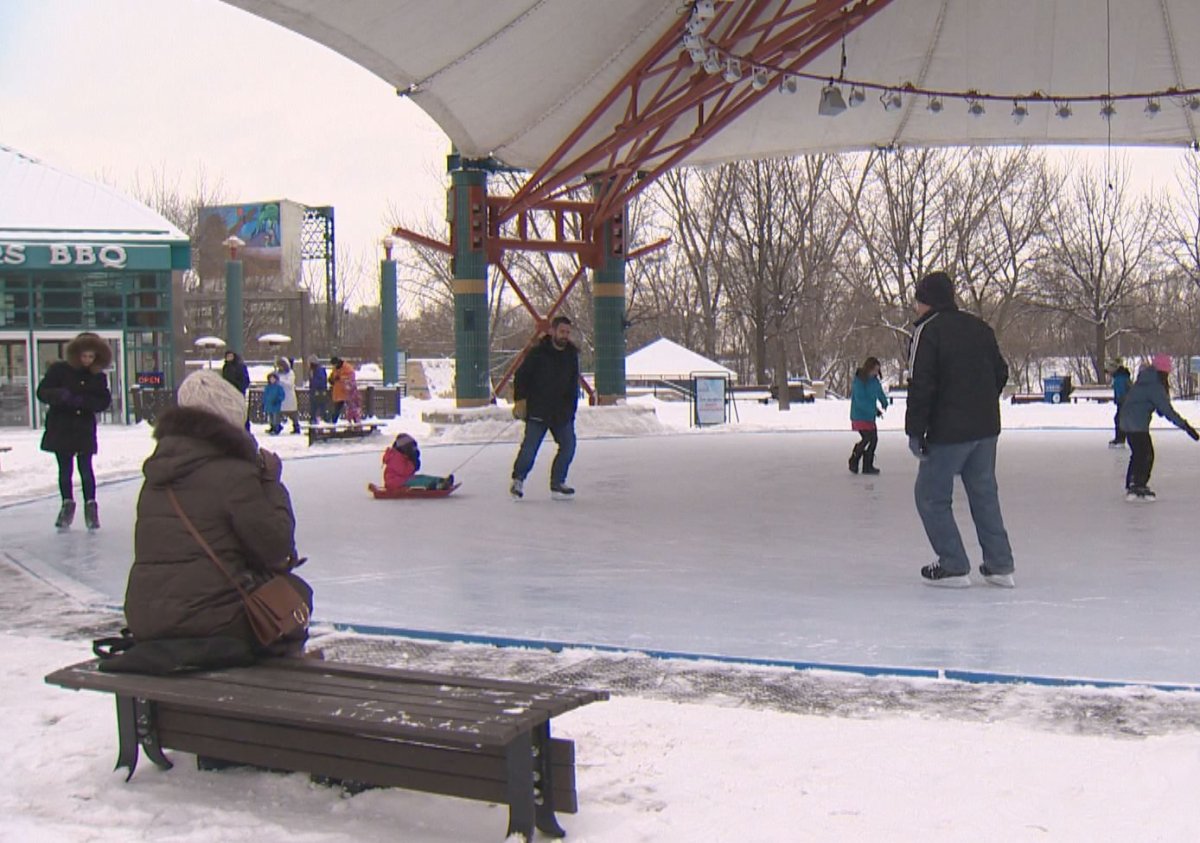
[(76, 390)]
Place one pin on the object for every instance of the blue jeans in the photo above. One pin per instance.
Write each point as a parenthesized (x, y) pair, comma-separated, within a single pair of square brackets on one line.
[(535, 432), (975, 462)]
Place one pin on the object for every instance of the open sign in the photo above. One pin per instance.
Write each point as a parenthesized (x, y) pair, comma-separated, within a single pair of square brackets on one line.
[(151, 380)]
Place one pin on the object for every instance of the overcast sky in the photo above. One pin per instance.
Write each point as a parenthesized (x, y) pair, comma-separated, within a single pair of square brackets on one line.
[(115, 88), (118, 88)]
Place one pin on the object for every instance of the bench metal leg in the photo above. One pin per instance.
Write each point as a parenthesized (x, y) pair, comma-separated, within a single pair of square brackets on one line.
[(543, 783), (127, 740), (518, 758), (147, 731), (136, 729)]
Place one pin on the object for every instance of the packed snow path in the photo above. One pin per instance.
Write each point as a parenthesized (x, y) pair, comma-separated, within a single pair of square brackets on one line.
[(757, 546)]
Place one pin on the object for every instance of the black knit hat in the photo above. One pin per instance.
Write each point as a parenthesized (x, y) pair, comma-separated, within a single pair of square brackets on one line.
[(936, 290)]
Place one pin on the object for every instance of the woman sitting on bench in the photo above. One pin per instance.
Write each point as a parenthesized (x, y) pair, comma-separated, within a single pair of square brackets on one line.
[(232, 492)]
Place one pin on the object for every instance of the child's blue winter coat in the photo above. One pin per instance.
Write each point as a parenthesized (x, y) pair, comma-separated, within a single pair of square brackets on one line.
[(1120, 383), (273, 398), (1147, 397), (863, 397)]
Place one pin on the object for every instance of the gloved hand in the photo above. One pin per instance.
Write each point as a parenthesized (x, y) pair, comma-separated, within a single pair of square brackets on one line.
[(520, 409), (878, 413), (917, 445), (270, 467), (1191, 431)]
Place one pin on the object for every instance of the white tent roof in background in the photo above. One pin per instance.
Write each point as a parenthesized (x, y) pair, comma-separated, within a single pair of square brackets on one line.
[(514, 78), (667, 360), (39, 202)]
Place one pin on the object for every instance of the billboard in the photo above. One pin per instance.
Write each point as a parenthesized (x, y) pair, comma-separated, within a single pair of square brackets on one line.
[(260, 226)]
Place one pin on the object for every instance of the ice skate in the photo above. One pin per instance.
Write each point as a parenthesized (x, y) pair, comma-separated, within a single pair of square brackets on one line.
[(939, 577), (1139, 494), (1114, 444), (1002, 580), (517, 489), (91, 515), (868, 466), (65, 516), (561, 492)]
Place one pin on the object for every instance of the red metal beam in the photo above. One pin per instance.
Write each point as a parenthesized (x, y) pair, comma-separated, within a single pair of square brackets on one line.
[(639, 141)]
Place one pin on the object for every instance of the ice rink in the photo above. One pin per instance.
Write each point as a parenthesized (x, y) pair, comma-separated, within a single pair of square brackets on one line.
[(743, 545)]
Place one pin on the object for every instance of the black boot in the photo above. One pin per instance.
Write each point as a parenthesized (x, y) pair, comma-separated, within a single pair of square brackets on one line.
[(855, 456), (91, 515), (869, 465), (65, 515)]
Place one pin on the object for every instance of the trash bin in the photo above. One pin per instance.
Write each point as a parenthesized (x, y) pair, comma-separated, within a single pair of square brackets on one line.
[(1054, 389)]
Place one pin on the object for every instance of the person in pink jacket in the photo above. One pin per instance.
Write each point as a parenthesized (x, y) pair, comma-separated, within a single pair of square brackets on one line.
[(401, 463)]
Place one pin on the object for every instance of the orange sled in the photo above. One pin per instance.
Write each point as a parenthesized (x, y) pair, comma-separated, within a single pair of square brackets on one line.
[(410, 492)]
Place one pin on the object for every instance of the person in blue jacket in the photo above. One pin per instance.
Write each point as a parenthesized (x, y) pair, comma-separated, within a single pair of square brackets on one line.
[(1122, 379), (1148, 396), (273, 395), (867, 403)]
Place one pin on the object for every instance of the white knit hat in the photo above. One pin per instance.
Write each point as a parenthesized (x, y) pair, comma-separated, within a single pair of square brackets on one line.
[(205, 389)]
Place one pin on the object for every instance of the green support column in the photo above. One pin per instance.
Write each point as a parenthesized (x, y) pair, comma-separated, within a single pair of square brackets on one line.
[(468, 236), (388, 314), (608, 292), (234, 324)]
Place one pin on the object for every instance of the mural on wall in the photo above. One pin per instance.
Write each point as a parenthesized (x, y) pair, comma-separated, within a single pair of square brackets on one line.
[(255, 224)]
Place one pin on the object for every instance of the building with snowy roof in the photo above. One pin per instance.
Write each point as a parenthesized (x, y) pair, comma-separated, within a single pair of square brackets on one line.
[(667, 361), (76, 255)]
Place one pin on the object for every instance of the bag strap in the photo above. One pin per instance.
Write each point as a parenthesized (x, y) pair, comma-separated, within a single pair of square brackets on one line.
[(191, 528)]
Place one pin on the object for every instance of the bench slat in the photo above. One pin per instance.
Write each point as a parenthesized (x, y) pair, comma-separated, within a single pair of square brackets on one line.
[(297, 708)]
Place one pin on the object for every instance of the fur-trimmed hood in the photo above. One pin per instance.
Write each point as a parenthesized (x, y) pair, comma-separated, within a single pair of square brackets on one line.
[(189, 437), (88, 341)]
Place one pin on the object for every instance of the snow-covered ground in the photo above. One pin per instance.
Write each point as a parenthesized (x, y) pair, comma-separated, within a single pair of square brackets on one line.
[(817, 556)]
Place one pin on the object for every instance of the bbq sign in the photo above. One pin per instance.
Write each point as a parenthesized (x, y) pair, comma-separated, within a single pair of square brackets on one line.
[(82, 256)]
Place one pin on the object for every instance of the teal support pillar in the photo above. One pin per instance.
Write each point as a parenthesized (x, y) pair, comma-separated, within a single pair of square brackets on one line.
[(467, 208), (608, 298), (234, 312), (389, 314)]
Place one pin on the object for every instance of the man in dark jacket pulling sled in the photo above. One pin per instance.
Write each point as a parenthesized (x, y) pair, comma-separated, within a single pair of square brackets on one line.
[(76, 390), (545, 395), (953, 424)]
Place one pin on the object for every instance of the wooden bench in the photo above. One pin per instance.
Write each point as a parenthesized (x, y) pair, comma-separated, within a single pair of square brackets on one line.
[(4, 449), (1027, 398), (326, 432), (479, 739)]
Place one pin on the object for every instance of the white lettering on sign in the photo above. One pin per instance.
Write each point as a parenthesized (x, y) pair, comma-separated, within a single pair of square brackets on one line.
[(69, 254), (114, 257)]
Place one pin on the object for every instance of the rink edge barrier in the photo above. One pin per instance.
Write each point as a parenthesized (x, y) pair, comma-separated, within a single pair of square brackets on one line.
[(980, 677)]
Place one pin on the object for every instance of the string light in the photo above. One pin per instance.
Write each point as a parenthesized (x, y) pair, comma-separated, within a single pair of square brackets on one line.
[(1020, 112), (935, 105)]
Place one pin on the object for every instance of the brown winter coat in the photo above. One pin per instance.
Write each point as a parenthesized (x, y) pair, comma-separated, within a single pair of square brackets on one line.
[(75, 394), (174, 589)]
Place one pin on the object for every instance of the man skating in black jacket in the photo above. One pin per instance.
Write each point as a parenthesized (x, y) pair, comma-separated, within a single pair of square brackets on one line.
[(545, 395), (953, 424)]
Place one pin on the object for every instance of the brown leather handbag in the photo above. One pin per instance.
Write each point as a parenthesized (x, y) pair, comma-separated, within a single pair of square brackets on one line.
[(275, 609)]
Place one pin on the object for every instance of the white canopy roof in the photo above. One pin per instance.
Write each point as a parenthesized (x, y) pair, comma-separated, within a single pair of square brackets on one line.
[(667, 360), (514, 78), (41, 203)]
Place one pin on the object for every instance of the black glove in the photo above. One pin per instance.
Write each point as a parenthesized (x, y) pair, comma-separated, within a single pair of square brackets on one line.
[(1191, 431), (917, 445), (878, 414)]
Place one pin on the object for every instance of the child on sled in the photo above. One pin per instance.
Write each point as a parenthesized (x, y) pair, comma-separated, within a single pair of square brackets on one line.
[(401, 463)]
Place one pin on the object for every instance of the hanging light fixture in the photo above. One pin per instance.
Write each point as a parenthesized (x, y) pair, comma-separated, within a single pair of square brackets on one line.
[(1020, 112), (857, 97), (712, 62), (759, 79), (787, 85), (832, 104), (935, 105), (733, 71), (1062, 110), (1192, 103), (1153, 107), (1109, 110), (891, 100)]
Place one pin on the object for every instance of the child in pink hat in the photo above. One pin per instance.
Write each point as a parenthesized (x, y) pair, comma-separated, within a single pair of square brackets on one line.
[(1148, 396)]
